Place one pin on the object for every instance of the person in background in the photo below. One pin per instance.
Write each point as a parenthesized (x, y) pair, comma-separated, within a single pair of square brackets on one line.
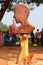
[(38, 37), (7, 38), (13, 32), (32, 37), (41, 37), (3, 36), (13, 39)]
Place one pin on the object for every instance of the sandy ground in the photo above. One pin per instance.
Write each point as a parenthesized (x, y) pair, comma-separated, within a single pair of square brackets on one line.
[(10, 53)]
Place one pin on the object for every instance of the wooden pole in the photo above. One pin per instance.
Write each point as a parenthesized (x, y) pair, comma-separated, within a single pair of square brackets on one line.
[(23, 56)]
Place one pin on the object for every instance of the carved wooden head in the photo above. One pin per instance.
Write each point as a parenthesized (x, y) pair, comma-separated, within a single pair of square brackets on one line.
[(21, 12)]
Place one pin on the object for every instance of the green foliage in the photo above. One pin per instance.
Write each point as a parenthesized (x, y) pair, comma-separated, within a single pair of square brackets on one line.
[(3, 27), (10, 7), (18, 35), (37, 1)]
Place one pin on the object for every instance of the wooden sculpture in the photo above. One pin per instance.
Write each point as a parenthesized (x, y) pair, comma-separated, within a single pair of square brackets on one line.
[(21, 13)]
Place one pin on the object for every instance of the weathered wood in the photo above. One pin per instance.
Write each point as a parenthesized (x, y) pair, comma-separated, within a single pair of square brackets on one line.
[(24, 49)]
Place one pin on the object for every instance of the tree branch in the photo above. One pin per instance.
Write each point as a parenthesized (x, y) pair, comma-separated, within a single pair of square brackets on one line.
[(4, 7)]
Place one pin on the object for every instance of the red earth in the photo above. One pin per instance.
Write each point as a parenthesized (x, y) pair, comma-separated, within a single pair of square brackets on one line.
[(10, 53)]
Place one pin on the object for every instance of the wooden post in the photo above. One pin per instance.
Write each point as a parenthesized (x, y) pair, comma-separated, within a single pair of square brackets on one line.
[(23, 56)]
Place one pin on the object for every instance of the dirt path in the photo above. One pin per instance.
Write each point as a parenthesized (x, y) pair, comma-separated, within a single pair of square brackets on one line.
[(10, 54)]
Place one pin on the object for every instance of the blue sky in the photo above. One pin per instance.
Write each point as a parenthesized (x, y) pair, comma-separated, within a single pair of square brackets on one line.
[(35, 18)]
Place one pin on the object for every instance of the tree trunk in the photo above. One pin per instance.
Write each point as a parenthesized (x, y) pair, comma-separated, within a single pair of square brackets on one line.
[(3, 8)]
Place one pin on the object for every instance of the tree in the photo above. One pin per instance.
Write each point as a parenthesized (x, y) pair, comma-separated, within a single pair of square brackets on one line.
[(4, 7)]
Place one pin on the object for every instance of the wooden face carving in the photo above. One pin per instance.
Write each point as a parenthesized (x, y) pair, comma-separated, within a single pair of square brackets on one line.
[(21, 13)]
